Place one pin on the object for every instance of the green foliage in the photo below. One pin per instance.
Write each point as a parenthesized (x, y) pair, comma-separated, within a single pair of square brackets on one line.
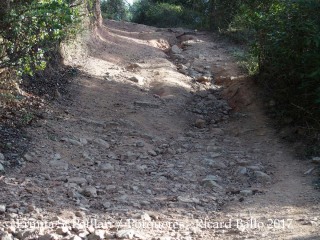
[(29, 30), (287, 45), (166, 14), (247, 61), (114, 9)]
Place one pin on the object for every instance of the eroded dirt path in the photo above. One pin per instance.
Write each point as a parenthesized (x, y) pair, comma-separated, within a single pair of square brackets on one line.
[(146, 147)]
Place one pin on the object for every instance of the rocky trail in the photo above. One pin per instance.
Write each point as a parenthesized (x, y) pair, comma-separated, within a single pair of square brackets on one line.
[(159, 138)]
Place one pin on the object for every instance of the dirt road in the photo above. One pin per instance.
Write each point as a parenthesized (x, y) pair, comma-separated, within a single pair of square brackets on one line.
[(145, 146)]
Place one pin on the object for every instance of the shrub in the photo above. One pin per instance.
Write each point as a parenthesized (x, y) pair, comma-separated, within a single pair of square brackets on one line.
[(29, 30), (163, 14)]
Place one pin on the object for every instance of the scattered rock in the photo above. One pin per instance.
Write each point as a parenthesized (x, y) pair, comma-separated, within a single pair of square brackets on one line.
[(261, 176), (242, 170), (2, 158), (203, 79), (106, 205), (188, 200), (5, 236), (255, 168), (215, 164), (246, 193), (210, 181), (212, 178), (102, 143), (200, 123), (59, 165), (48, 237), (3, 208), (24, 235), (176, 50), (72, 141), (28, 157), (137, 79), (75, 238), (83, 141), (77, 180), (97, 235), (125, 233), (217, 131), (164, 238), (89, 192), (2, 169), (133, 66), (140, 144), (56, 156), (62, 231), (152, 153), (107, 167), (146, 217)]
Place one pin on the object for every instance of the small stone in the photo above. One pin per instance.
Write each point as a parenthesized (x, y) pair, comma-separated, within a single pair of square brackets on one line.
[(62, 231), (107, 167), (95, 236), (137, 79), (83, 141), (152, 153), (316, 160), (176, 50), (188, 200), (28, 157), (203, 79), (5, 236), (2, 168), (255, 168), (72, 141), (75, 238), (80, 214), (2, 158), (77, 180), (24, 235), (89, 191), (217, 131), (263, 177), (49, 237), (106, 205), (140, 144), (146, 217), (59, 165), (242, 170), (31, 208), (210, 183), (83, 234), (133, 66), (246, 193), (3, 208), (102, 143), (165, 238), (56, 156), (200, 123), (125, 233), (215, 164)]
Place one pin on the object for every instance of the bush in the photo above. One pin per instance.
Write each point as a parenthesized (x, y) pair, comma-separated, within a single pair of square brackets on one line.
[(287, 44), (114, 9), (29, 30), (162, 14)]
